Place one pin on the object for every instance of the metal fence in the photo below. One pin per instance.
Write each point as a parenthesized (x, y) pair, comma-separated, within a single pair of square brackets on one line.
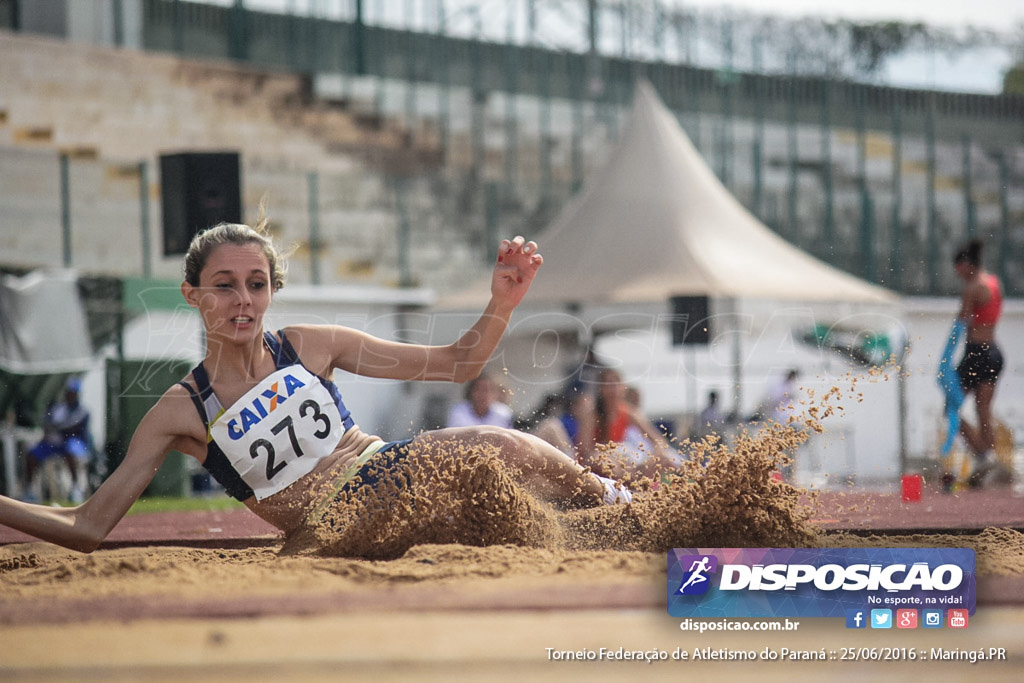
[(880, 181)]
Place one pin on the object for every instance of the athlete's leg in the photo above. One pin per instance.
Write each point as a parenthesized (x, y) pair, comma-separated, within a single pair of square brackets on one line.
[(985, 439), (970, 434), (546, 471)]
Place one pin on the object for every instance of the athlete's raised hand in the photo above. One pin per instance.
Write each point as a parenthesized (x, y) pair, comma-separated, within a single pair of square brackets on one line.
[(518, 262)]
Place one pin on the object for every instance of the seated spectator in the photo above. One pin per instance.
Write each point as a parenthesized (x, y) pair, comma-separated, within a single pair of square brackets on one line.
[(711, 420), (560, 425), (482, 406), (65, 434), (780, 402), (623, 437)]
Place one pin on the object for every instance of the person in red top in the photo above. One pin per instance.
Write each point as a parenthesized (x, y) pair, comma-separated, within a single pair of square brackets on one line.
[(980, 308), (619, 427)]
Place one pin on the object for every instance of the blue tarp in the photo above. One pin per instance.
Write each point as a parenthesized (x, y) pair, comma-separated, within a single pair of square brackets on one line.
[(949, 381)]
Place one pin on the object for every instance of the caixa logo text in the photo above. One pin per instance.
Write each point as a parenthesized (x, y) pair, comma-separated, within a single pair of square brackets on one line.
[(264, 404), (831, 577)]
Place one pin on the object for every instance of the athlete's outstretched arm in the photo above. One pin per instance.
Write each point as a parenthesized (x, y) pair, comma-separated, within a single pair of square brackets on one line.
[(85, 526), (363, 354)]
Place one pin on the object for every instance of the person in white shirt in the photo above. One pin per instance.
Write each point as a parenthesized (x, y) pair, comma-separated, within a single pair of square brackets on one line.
[(482, 406), (780, 404)]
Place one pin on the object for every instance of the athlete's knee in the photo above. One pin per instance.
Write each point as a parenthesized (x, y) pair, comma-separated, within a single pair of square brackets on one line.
[(502, 438)]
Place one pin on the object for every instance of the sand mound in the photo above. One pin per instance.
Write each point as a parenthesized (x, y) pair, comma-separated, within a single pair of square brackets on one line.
[(444, 493)]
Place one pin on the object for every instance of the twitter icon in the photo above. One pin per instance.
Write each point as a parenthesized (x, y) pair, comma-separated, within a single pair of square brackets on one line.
[(881, 618)]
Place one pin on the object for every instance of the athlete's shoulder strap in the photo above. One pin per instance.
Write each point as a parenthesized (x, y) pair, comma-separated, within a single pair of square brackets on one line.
[(206, 401), (198, 402), (281, 348)]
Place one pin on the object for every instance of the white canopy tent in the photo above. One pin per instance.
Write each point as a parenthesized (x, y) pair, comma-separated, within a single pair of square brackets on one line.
[(656, 223)]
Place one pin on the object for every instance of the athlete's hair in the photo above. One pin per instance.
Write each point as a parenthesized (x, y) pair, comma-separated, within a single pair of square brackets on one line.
[(970, 253), (205, 242)]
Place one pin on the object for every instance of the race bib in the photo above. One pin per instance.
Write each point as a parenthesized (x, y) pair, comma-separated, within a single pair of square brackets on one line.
[(278, 431)]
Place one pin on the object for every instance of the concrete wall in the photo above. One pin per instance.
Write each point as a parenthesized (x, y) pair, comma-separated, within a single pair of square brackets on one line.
[(382, 176), (111, 110)]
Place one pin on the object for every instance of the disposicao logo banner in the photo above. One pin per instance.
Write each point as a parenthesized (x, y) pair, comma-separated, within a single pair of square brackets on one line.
[(817, 582)]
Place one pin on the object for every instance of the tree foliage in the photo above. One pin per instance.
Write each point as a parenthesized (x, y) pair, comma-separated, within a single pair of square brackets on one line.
[(1013, 81), (872, 44)]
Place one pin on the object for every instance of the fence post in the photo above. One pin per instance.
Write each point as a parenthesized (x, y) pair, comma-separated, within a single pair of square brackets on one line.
[(758, 150), (358, 38), (404, 229), (147, 269), (65, 209), (867, 246), (179, 28), (896, 264), (411, 81), (118, 20), (238, 44), (969, 207), (728, 76), (491, 220), (931, 229), (511, 120), (544, 126), (444, 93), (867, 235), (1004, 217), (692, 76), (826, 169), (576, 84), (313, 183), (792, 150)]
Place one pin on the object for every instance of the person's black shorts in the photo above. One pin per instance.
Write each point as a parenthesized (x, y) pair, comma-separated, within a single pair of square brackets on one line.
[(385, 463), (981, 364)]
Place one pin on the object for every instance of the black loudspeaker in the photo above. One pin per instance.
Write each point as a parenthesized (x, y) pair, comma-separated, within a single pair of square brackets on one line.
[(691, 323), (200, 189)]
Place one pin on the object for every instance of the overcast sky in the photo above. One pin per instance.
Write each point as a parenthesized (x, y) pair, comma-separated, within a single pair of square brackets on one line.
[(980, 70), (975, 71), (992, 14)]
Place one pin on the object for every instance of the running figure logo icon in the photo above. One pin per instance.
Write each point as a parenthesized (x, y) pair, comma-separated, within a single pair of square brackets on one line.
[(696, 580)]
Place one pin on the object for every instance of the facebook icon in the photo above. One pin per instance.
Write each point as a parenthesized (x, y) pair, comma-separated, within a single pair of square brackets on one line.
[(855, 618)]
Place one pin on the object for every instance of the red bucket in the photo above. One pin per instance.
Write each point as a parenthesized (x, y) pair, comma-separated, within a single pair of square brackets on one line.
[(912, 488)]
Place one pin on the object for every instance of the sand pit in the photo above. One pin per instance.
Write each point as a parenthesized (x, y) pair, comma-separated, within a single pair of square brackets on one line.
[(456, 573), (439, 612)]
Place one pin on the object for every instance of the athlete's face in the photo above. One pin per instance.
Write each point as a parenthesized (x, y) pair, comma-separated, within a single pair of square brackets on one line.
[(234, 292)]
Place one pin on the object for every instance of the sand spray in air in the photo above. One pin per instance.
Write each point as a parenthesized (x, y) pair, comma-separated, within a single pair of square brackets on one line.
[(722, 495)]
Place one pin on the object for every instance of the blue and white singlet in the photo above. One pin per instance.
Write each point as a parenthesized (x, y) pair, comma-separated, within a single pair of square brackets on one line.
[(277, 432)]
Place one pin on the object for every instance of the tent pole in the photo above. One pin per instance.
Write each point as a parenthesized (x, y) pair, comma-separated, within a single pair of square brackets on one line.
[(737, 369), (901, 406)]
